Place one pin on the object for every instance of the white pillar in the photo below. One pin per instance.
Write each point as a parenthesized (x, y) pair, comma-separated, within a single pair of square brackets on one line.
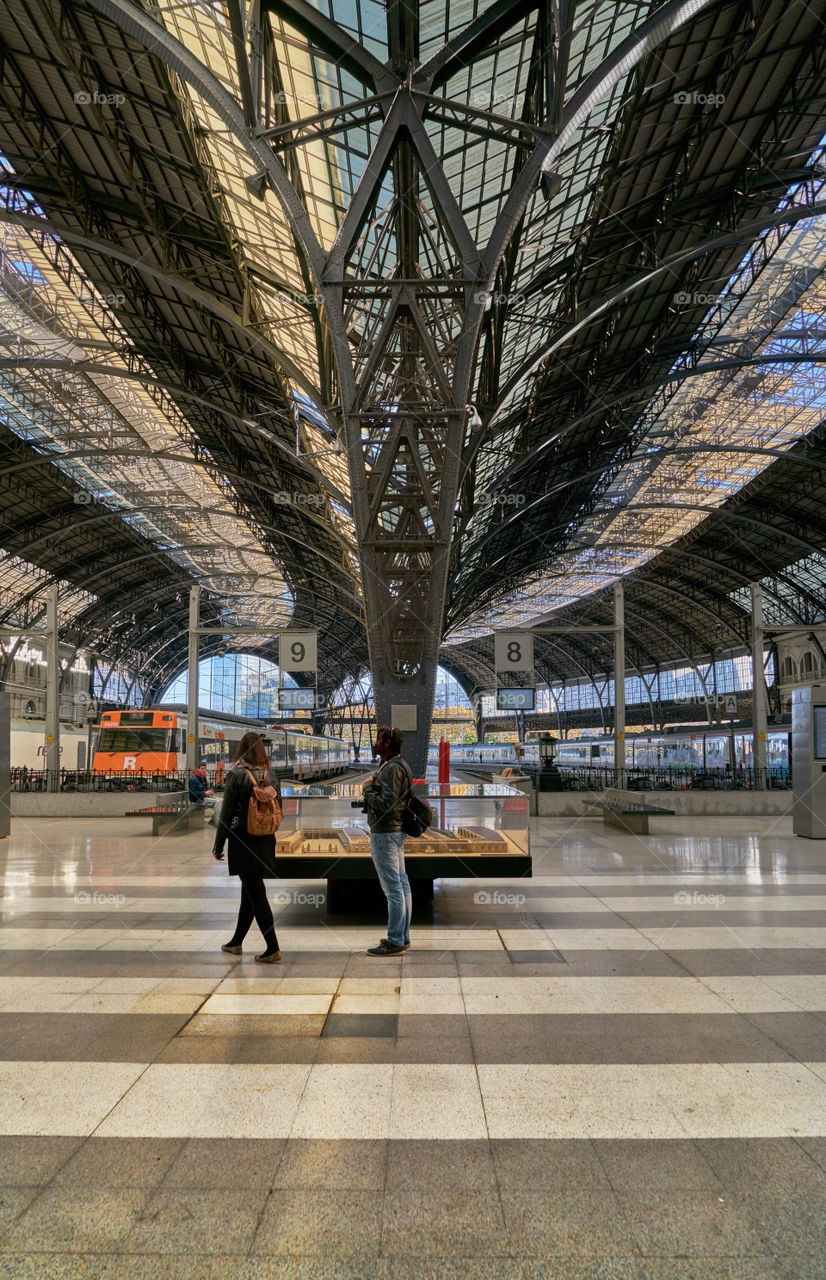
[(52, 744), (619, 683), (192, 679), (759, 700)]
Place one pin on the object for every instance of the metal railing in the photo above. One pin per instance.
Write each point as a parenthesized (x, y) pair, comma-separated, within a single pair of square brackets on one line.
[(25, 779), (675, 778)]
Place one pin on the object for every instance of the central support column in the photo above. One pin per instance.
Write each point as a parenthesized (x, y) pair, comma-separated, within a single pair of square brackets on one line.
[(192, 679), (52, 690), (759, 709), (619, 684)]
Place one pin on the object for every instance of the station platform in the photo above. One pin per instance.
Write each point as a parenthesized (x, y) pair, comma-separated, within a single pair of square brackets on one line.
[(614, 1069)]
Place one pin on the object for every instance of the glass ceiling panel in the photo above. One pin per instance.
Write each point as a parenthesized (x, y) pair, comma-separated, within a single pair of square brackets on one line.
[(123, 444)]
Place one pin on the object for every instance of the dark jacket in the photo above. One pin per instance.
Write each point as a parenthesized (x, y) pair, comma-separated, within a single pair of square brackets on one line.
[(387, 796), (197, 789), (246, 854)]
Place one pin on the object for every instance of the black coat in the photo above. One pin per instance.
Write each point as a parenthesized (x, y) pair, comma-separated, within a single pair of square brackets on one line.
[(246, 854)]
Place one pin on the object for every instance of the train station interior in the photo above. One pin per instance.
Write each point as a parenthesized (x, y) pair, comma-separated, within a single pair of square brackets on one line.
[(431, 391)]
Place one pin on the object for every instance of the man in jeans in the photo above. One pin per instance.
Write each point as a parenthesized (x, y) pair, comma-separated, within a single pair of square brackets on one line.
[(386, 795)]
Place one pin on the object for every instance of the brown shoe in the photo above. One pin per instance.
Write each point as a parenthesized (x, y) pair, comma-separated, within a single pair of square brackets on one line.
[(272, 958), (231, 951)]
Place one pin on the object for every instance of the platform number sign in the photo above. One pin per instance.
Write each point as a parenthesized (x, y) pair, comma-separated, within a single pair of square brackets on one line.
[(298, 651), (513, 653)]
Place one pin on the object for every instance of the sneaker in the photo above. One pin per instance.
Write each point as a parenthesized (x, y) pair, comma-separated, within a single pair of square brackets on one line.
[(385, 948), (232, 951), (271, 957), (407, 944)]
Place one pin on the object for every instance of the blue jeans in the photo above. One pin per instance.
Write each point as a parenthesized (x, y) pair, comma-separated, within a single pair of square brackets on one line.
[(387, 852)]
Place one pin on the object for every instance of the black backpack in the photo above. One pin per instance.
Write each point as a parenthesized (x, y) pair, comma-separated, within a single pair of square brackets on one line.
[(417, 814)]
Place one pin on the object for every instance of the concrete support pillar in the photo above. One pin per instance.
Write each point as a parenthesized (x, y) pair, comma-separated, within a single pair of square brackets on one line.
[(412, 699), (619, 683), (52, 753), (759, 699), (5, 765), (192, 679)]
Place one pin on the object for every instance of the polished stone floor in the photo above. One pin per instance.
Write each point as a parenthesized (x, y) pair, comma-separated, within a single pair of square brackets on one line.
[(614, 1069)]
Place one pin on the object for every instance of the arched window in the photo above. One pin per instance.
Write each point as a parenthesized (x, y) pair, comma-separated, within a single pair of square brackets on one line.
[(787, 674), (240, 684), (29, 709), (807, 665)]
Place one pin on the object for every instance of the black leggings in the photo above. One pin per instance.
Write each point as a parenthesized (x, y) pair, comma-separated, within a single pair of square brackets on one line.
[(254, 906)]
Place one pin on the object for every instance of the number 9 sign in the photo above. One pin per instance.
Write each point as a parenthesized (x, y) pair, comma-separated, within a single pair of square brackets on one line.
[(298, 651)]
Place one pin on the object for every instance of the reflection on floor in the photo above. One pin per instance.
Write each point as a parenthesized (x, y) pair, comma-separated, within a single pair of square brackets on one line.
[(614, 1069)]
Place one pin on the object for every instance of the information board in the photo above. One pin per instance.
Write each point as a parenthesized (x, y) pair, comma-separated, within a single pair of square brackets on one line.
[(515, 699), (296, 699)]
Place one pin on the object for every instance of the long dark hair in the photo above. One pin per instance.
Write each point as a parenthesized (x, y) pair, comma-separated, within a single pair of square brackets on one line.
[(251, 750)]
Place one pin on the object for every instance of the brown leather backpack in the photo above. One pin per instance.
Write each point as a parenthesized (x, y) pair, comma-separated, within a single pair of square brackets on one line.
[(264, 813)]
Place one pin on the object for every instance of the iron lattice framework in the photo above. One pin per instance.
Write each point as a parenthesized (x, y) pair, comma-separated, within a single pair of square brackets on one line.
[(526, 295)]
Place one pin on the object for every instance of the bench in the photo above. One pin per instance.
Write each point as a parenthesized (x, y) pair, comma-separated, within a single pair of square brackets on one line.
[(172, 819), (624, 809)]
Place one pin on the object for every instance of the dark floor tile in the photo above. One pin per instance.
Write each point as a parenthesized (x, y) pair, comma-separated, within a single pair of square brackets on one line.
[(571, 1268), (361, 1024), (537, 958), (446, 1267), (414, 1048), (547, 1164), (778, 1165), (441, 1166), (122, 1266), (624, 964), (77, 1221), (33, 1161), (633, 1164), (13, 1201), (240, 1048), (119, 1162), (187, 1221), (802, 1035), (217, 1164), (432, 1026), (415, 1222), (621, 1038), (349, 1165), (578, 1221), (92, 1037), (698, 1223), (330, 1222), (790, 1223), (371, 1049), (718, 1269)]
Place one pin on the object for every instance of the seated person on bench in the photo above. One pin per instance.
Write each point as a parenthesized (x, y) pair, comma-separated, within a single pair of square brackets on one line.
[(199, 793)]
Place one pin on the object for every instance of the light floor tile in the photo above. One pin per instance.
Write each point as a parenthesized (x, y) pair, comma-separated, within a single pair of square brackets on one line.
[(686, 899), (61, 1098), (387, 1003), (431, 1101), (280, 1002), (431, 996), (277, 986), (209, 1100), (345, 1101)]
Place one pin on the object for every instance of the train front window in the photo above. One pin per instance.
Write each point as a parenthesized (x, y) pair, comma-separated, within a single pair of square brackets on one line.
[(133, 741)]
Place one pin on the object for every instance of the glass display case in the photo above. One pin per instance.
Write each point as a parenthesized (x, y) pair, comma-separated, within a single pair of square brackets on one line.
[(478, 830)]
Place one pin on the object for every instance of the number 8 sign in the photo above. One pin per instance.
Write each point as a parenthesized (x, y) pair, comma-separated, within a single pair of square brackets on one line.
[(298, 651), (513, 651)]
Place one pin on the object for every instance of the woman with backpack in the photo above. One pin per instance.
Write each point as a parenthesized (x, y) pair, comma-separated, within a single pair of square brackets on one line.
[(250, 816)]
